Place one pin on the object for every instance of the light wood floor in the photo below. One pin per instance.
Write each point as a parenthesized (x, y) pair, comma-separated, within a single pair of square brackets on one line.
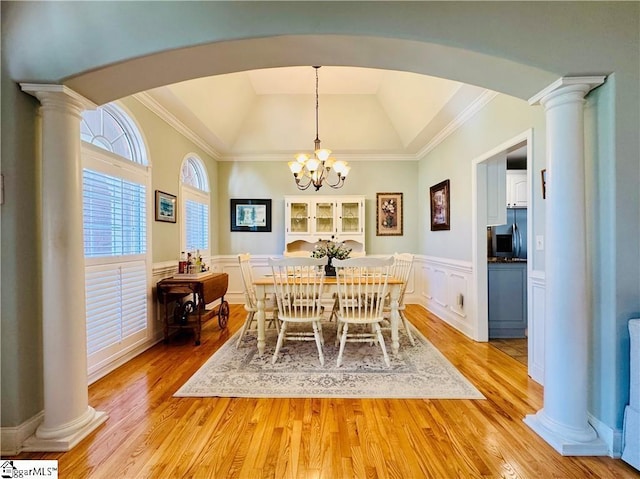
[(150, 434), (516, 348)]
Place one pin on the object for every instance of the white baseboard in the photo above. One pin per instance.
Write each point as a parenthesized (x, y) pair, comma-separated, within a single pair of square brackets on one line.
[(12, 438), (128, 356), (611, 437)]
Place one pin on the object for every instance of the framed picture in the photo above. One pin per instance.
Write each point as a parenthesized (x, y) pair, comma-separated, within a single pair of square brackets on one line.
[(440, 211), (389, 214), (165, 207), (251, 215), (544, 183)]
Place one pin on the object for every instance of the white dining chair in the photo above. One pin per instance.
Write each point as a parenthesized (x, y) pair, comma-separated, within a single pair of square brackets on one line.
[(298, 284), (250, 299), (402, 265), (362, 291)]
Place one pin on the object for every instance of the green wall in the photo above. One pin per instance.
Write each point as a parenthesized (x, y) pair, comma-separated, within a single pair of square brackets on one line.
[(21, 378), (273, 180), (166, 150), (499, 121)]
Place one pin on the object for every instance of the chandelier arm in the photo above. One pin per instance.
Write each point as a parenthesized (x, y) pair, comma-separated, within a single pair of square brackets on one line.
[(301, 185), (303, 179), (338, 183)]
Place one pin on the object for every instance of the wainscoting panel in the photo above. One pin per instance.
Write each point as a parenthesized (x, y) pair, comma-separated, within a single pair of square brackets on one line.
[(536, 326), (229, 264), (444, 287)]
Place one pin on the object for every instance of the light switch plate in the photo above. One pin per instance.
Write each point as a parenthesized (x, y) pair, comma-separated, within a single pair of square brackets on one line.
[(539, 243)]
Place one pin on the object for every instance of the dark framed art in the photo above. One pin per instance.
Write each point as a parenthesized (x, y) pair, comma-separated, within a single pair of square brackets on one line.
[(251, 215), (440, 208), (389, 221), (165, 207)]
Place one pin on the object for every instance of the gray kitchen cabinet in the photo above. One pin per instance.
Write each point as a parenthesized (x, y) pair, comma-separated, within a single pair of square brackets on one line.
[(507, 300)]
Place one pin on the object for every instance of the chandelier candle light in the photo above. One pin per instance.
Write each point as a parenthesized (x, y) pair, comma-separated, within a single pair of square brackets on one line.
[(315, 170)]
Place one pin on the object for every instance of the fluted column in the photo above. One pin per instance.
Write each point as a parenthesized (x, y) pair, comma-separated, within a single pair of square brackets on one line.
[(68, 418), (563, 421)]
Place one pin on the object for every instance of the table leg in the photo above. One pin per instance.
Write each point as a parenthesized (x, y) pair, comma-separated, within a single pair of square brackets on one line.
[(395, 318), (260, 316), (166, 319)]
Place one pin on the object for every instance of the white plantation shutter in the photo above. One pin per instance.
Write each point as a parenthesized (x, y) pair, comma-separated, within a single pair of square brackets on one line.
[(115, 243), (116, 307), (197, 225), (115, 209)]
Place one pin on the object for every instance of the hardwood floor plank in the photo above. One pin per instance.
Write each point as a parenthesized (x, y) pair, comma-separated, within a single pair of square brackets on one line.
[(151, 434)]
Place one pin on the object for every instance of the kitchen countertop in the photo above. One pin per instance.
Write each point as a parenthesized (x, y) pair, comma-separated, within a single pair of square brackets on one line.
[(494, 259)]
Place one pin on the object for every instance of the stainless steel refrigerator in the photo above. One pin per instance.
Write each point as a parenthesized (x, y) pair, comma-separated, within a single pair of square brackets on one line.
[(510, 240)]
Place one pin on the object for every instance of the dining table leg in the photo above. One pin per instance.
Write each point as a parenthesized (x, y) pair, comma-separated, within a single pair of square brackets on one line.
[(260, 316), (395, 318)]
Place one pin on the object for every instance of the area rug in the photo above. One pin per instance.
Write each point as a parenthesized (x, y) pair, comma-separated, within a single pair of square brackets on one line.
[(419, 371)]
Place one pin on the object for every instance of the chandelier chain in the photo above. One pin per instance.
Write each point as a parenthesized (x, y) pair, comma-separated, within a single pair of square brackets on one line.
[(317, 105), (315, 170)]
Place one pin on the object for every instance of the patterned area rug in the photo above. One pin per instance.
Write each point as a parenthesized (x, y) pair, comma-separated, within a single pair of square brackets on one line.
[(419, 371)]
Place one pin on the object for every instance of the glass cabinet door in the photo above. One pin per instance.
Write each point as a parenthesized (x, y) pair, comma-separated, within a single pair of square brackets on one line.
[(350, 217), (299, 217), (324, 218)]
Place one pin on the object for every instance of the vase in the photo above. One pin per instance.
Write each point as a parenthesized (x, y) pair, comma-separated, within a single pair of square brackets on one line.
[(329, 269)]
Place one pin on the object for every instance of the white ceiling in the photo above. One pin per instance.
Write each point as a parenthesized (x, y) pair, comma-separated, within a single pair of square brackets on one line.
[(363, 112)]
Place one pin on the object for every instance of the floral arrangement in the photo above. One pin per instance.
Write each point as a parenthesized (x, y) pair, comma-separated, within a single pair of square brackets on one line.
[(389, 210), (331, 249)]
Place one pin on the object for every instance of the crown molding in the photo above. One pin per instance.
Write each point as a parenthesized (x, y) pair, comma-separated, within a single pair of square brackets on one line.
[(290, 156), (473, 108), (176, 124), (456, 123)]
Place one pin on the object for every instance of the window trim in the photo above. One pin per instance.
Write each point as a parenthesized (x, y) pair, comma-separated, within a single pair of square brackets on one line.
[(188, 191), (136, 170)]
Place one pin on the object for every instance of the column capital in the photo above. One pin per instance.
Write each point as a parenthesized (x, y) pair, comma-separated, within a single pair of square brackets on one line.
[(58, 96), (582, 85)]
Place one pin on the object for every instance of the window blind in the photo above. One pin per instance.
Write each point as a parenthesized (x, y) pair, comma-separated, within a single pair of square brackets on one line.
[(115, 243), (114, 215), (197, 225)]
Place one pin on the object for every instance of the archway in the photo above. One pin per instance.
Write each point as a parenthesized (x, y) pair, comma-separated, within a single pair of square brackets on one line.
[(111, 82)]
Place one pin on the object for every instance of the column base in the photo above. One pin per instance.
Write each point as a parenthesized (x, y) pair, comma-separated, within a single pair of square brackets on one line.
[(563, 444), (66, 442)]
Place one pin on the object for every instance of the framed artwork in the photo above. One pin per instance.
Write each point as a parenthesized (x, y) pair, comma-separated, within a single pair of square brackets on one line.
[(389, 214), (440, 210), (544, 183), (251, 215), (165, 207)]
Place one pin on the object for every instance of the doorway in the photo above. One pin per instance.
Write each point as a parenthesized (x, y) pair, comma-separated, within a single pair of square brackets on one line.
[(485, 206)]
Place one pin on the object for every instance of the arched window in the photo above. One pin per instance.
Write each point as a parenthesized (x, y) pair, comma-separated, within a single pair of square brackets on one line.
[(115, 219), (194, 192), (110, 128)]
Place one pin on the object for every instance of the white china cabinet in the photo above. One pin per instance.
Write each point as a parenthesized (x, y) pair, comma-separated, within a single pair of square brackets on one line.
[(309, 220)]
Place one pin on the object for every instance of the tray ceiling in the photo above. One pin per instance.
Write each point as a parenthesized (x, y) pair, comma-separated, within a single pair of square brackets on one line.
[(369, 113)]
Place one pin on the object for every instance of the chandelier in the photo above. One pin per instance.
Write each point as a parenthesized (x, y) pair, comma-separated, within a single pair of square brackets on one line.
[(315, 170)]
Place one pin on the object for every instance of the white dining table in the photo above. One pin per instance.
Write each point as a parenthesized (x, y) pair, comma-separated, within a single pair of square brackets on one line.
[(264, 287)]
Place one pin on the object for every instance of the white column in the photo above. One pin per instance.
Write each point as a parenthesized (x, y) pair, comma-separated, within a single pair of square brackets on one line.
[(68, 418), (563, 421)]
